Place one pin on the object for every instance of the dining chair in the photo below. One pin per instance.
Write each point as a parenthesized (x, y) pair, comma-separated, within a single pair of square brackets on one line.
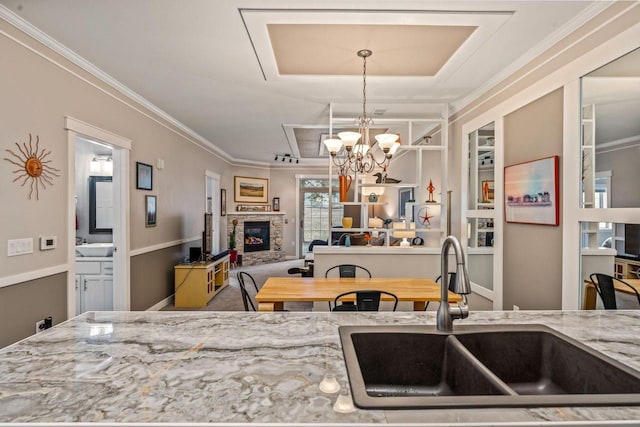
[(347, 270), (604, 285), (302, 271), (451, 285), (246, 298), (365, 301)]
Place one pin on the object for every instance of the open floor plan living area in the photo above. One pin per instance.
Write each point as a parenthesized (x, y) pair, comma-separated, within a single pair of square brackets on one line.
[(328, 213)]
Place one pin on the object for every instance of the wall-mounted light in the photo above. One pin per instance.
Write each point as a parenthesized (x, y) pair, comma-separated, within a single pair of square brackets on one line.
[(285, 157), (101, 165)]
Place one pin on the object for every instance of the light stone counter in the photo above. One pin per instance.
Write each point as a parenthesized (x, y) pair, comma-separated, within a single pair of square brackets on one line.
[(235, 368)]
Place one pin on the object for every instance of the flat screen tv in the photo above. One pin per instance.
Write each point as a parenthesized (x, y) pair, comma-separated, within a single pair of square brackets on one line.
[(207, 243), (632, 240)]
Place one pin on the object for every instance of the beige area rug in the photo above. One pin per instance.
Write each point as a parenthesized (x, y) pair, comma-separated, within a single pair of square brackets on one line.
[(230, 298)]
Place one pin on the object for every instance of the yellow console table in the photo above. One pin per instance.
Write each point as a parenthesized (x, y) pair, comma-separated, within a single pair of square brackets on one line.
[(195, 284)]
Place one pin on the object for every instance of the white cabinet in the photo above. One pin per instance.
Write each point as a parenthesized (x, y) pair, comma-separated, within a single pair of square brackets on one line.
[(94, 285)]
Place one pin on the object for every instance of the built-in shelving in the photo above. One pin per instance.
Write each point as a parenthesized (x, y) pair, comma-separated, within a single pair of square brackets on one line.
[(397, 125)]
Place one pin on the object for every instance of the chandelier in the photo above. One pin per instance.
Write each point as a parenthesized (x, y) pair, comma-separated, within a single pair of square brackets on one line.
[(358, 155)]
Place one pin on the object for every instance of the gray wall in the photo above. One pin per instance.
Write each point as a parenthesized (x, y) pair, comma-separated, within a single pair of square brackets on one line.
[(532, 269), (21, 306), (152, 274), (625, 168)]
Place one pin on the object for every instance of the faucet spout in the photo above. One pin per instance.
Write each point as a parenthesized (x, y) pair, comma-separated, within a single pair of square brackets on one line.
[(461, 286)]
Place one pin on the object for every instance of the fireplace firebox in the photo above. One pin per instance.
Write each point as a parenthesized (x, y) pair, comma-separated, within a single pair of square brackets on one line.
[(256, 236)]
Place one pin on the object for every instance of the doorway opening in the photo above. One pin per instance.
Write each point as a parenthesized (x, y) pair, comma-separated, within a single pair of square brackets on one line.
[(98, 234)]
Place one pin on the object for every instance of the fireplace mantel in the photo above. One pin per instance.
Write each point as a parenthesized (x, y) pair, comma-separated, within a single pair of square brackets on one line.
[(245, 213)]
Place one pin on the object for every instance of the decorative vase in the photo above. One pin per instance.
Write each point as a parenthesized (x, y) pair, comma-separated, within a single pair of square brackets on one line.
[(345, 183), (347, 222)]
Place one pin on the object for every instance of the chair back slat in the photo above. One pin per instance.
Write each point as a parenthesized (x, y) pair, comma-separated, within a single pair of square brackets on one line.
[(246, 297), (365, 301), (348, 270), (604, 285)]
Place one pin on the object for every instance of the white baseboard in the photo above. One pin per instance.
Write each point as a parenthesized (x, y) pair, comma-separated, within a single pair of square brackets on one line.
[(165, 302)]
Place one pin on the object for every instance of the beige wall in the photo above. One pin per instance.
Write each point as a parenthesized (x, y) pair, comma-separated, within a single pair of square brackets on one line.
[(625, 173), (532, 262)]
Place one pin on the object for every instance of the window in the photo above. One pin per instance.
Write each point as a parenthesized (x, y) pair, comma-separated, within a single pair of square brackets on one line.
[(314, 197)]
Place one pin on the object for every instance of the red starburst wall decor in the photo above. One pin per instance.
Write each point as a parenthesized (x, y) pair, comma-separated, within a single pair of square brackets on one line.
[(34, 166)]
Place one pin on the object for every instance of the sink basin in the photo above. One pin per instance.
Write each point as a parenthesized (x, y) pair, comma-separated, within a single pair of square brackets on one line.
[(397, 367), (95, 249)]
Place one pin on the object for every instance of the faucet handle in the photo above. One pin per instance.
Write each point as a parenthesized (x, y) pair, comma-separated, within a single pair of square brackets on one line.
[(461, 310)]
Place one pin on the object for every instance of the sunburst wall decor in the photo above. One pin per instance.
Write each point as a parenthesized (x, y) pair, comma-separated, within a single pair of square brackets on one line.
[(33, 166)]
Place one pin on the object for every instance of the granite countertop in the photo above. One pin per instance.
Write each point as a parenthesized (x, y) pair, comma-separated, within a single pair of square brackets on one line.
[(234, 368)]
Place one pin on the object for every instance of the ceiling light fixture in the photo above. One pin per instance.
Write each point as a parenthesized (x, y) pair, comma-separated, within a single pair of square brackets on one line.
[(358, 156), (284, 157)]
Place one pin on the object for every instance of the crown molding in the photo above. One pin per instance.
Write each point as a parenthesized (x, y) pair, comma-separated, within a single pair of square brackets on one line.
[(618, 144), (587, 14), (57, 47)]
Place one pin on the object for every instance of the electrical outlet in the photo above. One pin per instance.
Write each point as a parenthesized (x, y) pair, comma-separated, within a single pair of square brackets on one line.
[(43, 324), (516, 308)]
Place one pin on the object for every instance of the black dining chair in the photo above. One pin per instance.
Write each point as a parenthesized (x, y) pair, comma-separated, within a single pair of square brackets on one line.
[(302, 271), (347, 270), (246, 298), (365, 301), (450, 286), (604, 285)]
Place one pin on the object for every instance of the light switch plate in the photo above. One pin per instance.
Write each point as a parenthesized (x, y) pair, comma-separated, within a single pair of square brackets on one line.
[(48, 242), (20, 246)]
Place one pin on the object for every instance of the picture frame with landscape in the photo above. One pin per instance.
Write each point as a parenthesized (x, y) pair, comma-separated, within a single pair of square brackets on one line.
[(250, 190), (531, 192)]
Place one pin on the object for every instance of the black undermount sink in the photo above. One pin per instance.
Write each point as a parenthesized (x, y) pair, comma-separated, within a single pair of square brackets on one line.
[(397, 367)]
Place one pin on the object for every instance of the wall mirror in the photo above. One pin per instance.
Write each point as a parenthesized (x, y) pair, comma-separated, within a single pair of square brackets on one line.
[(610, 108), (481, 204), (100, 205)]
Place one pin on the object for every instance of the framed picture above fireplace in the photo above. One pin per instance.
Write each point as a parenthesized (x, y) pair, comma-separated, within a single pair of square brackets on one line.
[(251, 190)]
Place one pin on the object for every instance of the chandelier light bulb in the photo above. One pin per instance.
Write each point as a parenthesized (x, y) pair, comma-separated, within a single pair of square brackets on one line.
[(360, 149), (386, 140), (349, 139), (333, 145)]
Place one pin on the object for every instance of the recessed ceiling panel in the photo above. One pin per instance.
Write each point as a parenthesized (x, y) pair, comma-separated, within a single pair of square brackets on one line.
[(398, 50), (300, 45)]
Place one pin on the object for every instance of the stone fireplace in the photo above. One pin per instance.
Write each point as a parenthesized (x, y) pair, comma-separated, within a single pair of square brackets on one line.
[(258, 236)]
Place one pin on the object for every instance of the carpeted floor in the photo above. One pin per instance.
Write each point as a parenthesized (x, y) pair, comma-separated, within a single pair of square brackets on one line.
[(230, 298)]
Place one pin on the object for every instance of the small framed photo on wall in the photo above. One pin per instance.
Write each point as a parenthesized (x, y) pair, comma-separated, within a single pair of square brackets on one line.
[(151, 215), (276, 204), (144, 176)]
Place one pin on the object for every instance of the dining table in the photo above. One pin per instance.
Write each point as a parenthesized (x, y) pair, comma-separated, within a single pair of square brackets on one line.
[(278, 290), (590, 294)]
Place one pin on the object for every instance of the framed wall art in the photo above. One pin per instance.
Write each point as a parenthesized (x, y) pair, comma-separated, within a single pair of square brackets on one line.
[(223, 202), (531, 192), (251, 190), (144, 176), (151, 215)]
